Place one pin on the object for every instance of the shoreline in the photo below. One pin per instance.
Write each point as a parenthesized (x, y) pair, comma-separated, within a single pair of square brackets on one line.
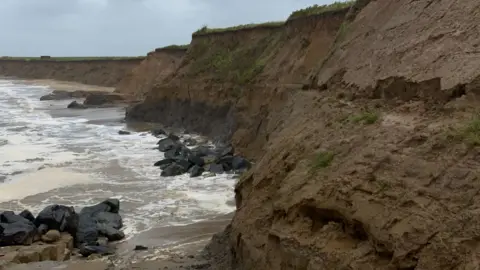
[(56, 85)]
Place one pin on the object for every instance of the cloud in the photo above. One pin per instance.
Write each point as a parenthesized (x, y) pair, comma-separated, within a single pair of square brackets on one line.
[(122, 27)]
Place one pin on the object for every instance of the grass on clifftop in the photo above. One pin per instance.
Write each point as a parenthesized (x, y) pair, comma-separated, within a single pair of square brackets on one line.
[(316, 9), (87, 58), (174, 47), (367, 118), (470, 133), (206, 30)]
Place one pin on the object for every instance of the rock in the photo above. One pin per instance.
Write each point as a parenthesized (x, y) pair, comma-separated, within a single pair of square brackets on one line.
[(173, 170), (196, 160), (158, 131), (166, 144), (202, 151), (97, 220), (57, 95), (87, 250), (209, 159), (215, 168), (225, 151), (196, 171), (174, 137), (102, 241), (10, 217), (190, 142), (139, 247), (239, 163), (58, 217), (98, 99), (164, 166), (210, 174), (17, 233), (185, 164), (124, 132), (226, 162), (75, 105), (28, 215), (51, 236), (166, 161)]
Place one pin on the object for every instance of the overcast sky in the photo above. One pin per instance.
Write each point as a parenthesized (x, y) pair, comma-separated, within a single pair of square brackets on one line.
[(123, 27)]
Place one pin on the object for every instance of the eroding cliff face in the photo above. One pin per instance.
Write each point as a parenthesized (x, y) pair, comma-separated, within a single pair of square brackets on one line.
[(93, 72), (156, 67), (362, 123)]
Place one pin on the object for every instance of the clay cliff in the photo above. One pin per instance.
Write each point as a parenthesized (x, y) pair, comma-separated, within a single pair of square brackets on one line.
[(363, 126), (101, 72)]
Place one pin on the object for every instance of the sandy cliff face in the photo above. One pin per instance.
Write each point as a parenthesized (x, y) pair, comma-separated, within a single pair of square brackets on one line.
[(94, 72), (157, 66)]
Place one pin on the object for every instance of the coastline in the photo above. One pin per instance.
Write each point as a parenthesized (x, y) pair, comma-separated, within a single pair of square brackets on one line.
[(66, 85)]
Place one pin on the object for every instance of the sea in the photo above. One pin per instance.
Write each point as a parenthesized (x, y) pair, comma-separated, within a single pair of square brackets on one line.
[(53, 155)]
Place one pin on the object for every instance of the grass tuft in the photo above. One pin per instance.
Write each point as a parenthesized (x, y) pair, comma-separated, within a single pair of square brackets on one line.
[(316, 9), (367, 118), (321, 160), (205, 30), (470, 133), (174, 47)]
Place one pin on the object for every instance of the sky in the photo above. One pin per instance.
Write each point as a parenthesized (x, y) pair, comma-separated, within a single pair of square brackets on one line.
[(123, 27)]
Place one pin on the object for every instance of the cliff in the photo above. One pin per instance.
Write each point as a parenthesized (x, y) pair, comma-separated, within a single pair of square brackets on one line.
[(157, 66), (101, 72), (362, 123)]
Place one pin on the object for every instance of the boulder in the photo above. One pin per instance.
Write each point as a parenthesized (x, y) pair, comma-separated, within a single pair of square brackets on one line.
[(100, 219), (196, 171), (140, 247), (21, 232), (166, 161), (28, 215), (239, 163), (209, 159), (173, 170), (174, 137), (51, 236), (124, 132), (196, 160), (75, 105), (158, 132), (164, 166), (215, 168), (87, 250), (202, 151), (185, 164), (225, 151), (57, 95), (226, 162), (58, 217), (166, 144)]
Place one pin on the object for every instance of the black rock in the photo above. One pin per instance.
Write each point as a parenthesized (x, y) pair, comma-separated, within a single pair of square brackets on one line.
[(164, 162), (97, 220), (202, 151), (166, 144), (190, 142), (75, 105), (239, 163), (174, 170), (28, 215), (196, 171), (164, 166), (216, 168), (9, 217), (17, 233), (58, 217), (209, 159), (124, 132), (226, 162), (139, 247), (225, 151), (87, 250), (185, 164), (196, 160), (173, 137), (158, 131)]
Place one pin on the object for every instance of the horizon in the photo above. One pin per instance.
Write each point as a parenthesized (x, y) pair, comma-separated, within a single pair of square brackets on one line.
[(123, 28)]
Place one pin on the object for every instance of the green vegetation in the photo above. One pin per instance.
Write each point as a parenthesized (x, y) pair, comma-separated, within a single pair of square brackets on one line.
[(232, 62), (175, 47), (87, 58), (321, 160), (367, 118), (316, 9), (206, 30), (470, 133)]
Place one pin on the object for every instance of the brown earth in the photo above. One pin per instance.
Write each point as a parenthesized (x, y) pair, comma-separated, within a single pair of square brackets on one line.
[(93, 72), (157, 65), (360, 122)]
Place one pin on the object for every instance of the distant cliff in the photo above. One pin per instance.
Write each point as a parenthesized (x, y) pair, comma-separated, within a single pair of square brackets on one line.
[(101, 72)]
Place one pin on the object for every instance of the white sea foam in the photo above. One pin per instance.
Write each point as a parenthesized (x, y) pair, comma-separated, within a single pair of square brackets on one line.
[(85, 162)]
